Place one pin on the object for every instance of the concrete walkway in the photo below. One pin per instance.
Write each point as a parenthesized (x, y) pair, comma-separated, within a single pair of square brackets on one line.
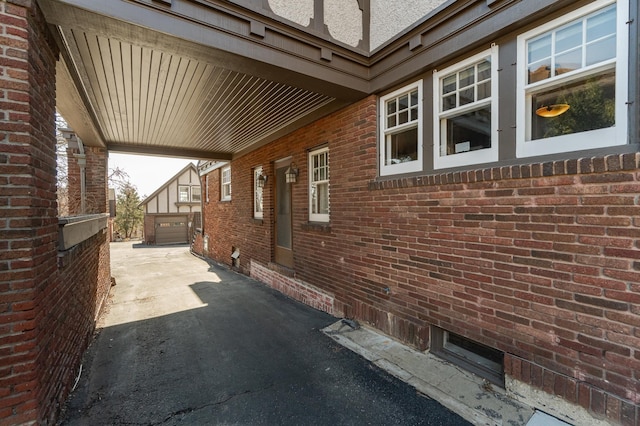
[(185, 342)]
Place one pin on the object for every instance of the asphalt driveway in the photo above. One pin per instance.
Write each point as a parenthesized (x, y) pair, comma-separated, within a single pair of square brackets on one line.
[(190, 343)]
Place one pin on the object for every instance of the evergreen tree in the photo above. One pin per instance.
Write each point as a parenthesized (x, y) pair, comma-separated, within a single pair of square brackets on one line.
[(129, 213)]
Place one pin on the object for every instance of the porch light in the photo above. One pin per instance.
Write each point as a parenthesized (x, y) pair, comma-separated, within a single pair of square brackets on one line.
[(552, 110), (291, 174), (262, 180)]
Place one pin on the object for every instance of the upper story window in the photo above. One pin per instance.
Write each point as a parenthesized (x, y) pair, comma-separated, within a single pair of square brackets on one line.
[(401, 130), (225, 183), (466, 119), (319, 185), (257, 193), (206, 188), (187, 193), (196, 193), (183, 194), (572, 81)]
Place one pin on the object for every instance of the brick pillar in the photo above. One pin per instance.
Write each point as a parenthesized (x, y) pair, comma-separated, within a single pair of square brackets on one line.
[(96, 190), (73, 182), (96, 177), (28, 223)]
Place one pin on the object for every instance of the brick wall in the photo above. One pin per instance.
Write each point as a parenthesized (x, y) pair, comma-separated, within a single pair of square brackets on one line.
[(96, 177), (541, 261), (46, 312)]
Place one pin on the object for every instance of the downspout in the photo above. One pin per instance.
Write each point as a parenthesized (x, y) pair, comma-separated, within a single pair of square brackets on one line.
[(82, 163)]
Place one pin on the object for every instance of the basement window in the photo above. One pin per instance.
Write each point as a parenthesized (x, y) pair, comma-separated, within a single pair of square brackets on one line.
[(477, 358)]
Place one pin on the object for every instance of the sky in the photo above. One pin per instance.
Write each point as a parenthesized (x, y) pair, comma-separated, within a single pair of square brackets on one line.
[(148, 173)]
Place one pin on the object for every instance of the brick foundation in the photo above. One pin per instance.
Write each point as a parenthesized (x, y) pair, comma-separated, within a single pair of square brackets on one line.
[(294, 288)]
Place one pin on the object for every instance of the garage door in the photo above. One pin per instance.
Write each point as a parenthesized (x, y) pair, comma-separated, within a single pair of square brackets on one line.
[(171, 230)]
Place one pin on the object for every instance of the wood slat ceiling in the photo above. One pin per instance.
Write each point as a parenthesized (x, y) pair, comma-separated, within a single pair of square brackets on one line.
[(144, 97)]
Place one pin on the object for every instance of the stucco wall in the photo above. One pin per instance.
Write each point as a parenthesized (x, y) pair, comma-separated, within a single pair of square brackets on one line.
[(298, 11), (344, 20), (390, 17)]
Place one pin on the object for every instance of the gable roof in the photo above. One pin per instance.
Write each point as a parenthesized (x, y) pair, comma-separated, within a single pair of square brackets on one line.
[(189, 166)]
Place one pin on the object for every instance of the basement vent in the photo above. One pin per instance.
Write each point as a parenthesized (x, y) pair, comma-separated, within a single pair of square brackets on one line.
[(482, 360)]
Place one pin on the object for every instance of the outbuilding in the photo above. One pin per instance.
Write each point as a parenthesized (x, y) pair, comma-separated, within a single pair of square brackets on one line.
[(173, 210)]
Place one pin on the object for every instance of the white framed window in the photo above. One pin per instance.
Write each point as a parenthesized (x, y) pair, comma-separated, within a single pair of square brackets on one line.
[(572, 81), (466, 111), (196, 194), (400, 140), (319, 185), (257, 194), (225, 183), (183, 194), (206, 187)]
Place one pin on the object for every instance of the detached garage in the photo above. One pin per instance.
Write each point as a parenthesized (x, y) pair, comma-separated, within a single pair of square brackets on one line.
[(172, 211), (172, 229)]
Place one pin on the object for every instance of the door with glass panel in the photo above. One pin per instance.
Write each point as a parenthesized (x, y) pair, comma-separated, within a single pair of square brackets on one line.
[(283, 220)]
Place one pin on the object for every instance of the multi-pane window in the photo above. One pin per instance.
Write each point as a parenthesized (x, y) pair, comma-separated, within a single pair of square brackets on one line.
[(257, 193), (319, 185), (188, 194), (401, 130), (572, 85), (225, 183), (183, 194), (196, 194), (465, 127)]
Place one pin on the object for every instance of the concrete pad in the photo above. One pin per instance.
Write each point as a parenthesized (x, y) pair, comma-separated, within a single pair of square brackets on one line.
[(469, 395)]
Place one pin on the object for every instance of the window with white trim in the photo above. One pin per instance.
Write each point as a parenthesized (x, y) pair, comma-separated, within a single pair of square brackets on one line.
[(401, 130), (466, 105), (572, 81), (225, 183), (257, 194), (319, 185), (206, 187), (183, 194), (196, 193)]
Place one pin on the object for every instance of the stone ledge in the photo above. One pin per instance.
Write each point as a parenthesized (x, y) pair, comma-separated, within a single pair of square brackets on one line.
[(73, 230)]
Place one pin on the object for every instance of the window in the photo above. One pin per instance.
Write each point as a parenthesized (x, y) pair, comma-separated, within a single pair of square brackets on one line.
[(257, 194), (482, 360), (319, 185), (196, 193), (466, 118), (183, 194), (572, 82), (401, 131), (225, 183), (206, 187)]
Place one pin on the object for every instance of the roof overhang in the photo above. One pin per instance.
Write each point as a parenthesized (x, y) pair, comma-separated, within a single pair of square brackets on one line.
[(189, 78)]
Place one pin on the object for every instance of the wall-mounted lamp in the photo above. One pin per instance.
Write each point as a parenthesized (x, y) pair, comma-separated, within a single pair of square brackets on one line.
[(291, 174), (262, 180), (552, 110)]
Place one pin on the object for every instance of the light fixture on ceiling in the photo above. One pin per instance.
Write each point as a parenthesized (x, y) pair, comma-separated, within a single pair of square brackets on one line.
[(291, 174), (552, 110)]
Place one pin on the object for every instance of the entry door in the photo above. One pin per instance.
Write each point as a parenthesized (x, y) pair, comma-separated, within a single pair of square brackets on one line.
[(283, 223)]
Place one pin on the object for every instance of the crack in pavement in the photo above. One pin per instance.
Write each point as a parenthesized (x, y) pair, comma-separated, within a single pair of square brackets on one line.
[(212, 404)]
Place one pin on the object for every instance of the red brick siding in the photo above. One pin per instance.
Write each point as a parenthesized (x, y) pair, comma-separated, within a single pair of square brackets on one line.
[(293, 288), (149, 229), (197, 245), (46, 313), (96, 191), (541, 261)]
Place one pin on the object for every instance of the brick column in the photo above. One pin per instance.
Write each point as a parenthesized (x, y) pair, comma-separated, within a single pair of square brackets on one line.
[(28, 223), (96, 178), (96, 190)]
